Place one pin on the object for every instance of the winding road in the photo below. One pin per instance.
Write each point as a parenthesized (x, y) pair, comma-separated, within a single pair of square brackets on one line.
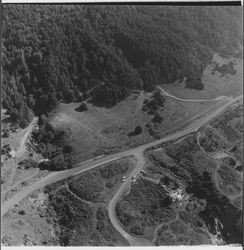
[(137, 152)]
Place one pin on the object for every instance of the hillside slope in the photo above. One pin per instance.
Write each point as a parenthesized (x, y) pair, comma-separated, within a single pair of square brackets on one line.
[(54, 53)]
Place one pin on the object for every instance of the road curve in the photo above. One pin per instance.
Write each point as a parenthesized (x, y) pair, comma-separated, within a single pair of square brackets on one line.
[(189, 100), (136, 241), (138, 152), (52, 178), (56, 176), (133, 241)]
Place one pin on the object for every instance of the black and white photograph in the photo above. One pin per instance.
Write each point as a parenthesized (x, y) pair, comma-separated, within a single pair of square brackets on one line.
[(121, 124)]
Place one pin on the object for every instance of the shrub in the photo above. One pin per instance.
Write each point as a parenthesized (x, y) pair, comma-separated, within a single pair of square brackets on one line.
[(100, 226), (82, 107), (67, 149), (109, 184), (100, 214), (137, 230), (29, 163), (58, 164), (22, 212), (194, 83), (137, 131)]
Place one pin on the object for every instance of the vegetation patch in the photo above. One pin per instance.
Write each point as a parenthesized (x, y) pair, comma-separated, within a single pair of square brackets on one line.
[(211, 142), (155, 102), (186, 163), (146, 206), (228, 125), (87, 187), (50, 143), (226, 69), (194, 83), (229, 180), (96, 185), (71, 213), (82, 107), (203, 187), (107, 60), (78, 206), (137, 131)]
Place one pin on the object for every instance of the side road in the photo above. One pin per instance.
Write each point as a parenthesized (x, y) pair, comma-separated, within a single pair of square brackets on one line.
[(137, 152)]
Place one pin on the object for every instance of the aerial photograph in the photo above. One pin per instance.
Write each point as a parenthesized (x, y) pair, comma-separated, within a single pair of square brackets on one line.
[(121, 124)]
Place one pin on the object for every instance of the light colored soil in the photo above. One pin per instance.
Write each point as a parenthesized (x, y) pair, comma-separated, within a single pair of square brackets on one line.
[(237, 201), (10, 173), (214, 84), (3, 114), (32, 176), (30, 228)]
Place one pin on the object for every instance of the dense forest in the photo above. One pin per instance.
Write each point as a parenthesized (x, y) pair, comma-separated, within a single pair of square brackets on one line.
[(53, 53)]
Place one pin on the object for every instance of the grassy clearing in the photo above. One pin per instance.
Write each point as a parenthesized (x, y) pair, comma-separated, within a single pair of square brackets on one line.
[(104, 130), (28, 224), (214, 83)]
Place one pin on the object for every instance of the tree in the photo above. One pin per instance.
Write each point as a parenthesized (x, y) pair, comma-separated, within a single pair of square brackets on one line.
[(42, 121), (52, 101), (67, 149), (82, 107)]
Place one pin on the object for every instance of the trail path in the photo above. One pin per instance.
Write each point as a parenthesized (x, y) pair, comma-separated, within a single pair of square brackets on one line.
[(137, 152), (190, 100), (20, 152)]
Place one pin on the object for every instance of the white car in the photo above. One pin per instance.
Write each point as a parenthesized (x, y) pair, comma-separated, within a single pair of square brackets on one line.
[(123, 178)]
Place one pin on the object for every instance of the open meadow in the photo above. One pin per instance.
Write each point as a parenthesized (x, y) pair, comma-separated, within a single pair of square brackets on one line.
[(215, 83)]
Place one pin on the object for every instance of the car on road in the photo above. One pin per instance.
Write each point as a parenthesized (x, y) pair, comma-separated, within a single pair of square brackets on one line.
[(133, 179), (123, 178)]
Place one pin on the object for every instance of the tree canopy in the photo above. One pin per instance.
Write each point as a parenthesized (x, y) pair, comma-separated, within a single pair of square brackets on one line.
[(53, 53)]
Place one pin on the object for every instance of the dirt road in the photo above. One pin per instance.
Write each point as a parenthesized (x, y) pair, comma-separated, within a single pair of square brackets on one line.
[(138, 152), (19, 152), (189, 100)]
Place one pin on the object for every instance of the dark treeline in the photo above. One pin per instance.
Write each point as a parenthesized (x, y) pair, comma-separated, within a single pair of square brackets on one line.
[(54, 53)]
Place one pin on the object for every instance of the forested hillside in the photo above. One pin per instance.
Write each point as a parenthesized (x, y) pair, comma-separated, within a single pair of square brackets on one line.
[(53, 53)]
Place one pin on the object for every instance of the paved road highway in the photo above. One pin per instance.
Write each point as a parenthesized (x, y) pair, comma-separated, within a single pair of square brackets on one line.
[(137, 152)]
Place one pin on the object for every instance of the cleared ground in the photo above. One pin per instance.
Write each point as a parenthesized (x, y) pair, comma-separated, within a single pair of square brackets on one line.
[(17, 161), (27, 223)]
